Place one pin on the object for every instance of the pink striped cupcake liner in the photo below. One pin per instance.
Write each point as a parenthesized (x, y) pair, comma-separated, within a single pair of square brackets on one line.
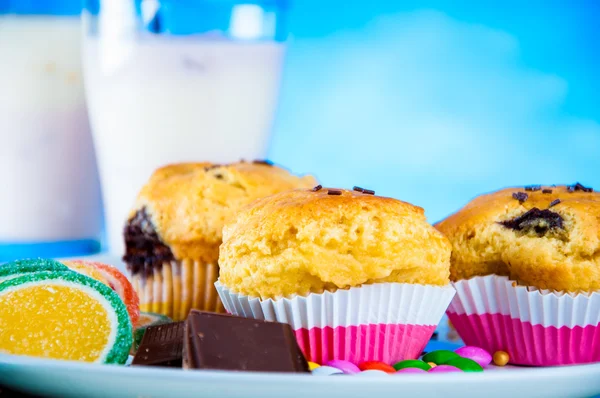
[(387, 322), (535, 327)]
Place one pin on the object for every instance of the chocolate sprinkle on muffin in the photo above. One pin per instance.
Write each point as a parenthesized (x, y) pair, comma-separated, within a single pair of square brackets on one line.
[(554, 202), (546, 191), (533, 188), (334, 192), (317, 188), (520, 196)]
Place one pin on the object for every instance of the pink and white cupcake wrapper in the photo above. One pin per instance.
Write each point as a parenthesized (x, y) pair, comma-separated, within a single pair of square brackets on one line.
[(386, 322), (535, 327)]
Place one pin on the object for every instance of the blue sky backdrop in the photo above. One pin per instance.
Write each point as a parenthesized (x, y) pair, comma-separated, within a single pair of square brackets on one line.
[(434, 102)]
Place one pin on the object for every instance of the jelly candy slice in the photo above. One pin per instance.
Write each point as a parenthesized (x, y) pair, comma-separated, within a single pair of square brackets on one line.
[(19, 267), (120, 284), (63, 315)]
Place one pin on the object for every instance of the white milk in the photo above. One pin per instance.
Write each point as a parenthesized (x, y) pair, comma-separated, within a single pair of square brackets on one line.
[(49, 188), (158, 100)]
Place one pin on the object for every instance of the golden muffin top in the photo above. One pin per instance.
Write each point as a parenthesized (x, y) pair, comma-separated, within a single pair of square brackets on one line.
[(542, 236), (312, 240), (189, 203)]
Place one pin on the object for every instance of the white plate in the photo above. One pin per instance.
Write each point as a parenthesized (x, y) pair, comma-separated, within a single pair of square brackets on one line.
[(77, 380)]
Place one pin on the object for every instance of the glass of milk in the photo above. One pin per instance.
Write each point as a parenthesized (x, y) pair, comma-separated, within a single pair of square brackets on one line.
[(50, 203), (175, 81)]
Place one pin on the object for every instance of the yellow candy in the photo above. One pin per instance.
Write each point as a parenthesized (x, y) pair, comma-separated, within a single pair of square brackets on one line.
[(28, 333), (432, 364), (63, 315), (313, 366)]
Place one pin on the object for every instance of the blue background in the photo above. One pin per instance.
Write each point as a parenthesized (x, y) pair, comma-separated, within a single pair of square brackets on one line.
[(434, 102)]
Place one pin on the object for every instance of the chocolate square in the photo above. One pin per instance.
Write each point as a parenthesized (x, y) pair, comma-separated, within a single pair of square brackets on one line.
[(223, 342), (162, 345)]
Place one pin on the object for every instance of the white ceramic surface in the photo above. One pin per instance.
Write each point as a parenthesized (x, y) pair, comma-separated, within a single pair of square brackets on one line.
[(67, 379)]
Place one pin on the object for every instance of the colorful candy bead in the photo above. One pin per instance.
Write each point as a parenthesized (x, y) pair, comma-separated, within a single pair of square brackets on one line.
[(465, 364), (501, 358), (372, 372), (312, 365), (327, 371), (479, 355), (440, 357), (376, 365), (412, 363), (63, 315), (412, 370), (444, 369), (345, 366), (433, 365)]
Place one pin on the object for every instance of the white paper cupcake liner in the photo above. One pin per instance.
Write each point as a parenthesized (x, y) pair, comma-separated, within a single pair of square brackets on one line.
[(386, 322), (535, 327)]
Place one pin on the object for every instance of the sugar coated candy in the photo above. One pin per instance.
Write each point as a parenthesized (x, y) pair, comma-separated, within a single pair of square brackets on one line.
[(119, 282), (63, 315), (19, 267)]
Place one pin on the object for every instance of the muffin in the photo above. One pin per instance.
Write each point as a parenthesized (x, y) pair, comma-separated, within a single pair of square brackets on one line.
[(358, 277), (526, 267), (174, 230)]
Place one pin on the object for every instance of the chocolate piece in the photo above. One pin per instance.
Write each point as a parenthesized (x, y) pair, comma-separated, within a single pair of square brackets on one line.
[(554, 202), (334, 192), (536, 220), (225, 342), (144, 251), (546, 191), (317, 188), (520, 196), (369, 192), (358, 189), (162, 345), (533, 188), (265, 162), (579, 187)]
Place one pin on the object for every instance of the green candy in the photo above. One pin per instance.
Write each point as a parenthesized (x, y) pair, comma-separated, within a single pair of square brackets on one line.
[(440, 357), (465, 364), (19, 267), (412, 363)]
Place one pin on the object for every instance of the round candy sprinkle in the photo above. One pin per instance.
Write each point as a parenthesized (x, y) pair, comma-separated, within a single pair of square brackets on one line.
[(412, 363), (119, 283), (376, 365), (501, 358), (19, 267), (312, 365), (63, 315), (372, 372), (411, 370), (433, 365), (327, 371), (479, 355), (440, 357), (465, 364), (444, 369), (345, 366)]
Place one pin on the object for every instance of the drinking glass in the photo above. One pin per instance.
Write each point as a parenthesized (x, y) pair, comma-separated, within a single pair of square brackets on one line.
[(177, 81), (50, 204)]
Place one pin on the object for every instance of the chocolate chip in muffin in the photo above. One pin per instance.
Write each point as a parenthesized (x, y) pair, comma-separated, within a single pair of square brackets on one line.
[(579, 187), (266, 162), (554, 202), (536, 221), (546, 191), (317, 188), (533, 188), (144, 251), (520, 196), (335, 192)]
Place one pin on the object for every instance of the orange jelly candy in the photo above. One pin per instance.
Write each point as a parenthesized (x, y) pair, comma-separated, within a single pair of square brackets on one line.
[(376, 365)]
